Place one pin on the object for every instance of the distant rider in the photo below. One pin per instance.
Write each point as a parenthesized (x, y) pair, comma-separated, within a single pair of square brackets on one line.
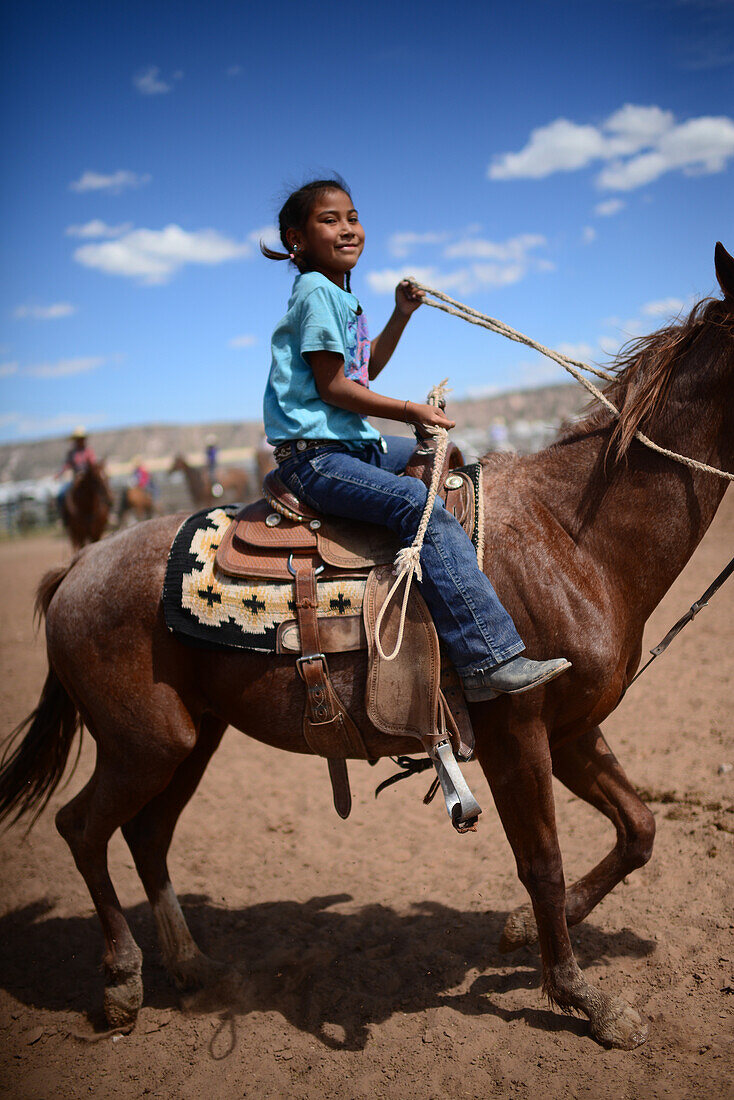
[(78, 457)]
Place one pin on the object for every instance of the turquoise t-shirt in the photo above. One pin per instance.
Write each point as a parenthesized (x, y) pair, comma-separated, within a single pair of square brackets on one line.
[(321, 317)]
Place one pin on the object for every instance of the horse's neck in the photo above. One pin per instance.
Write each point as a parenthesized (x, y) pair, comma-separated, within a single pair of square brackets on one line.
[(194, 479), (642, 523), (90, 484)]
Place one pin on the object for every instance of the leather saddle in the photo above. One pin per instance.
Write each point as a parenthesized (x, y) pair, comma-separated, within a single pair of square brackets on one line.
[(280, 538), (266, 538)]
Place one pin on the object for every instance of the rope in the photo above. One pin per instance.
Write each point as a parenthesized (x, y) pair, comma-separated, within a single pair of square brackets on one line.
[(407, 562), (573, 366)]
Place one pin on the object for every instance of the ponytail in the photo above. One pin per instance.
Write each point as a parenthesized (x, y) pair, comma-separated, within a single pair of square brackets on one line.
[(270, 254)]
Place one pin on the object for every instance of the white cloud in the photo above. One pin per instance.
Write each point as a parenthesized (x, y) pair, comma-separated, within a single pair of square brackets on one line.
[(63, 368), (153, 256), (589, 234), (115, 183), (638, 144), (385, 281), (537, 372), (24, 425), (580, 351), (495, 263), (632, 128), (609, 344), (268, 234), (462, 280), (700, 146), (45, 313), (666, 307), (401, 244), (562, 146), (6, 369), (649, 316), (244, 341), (148, 81), (609, 207), (514, 249), (97, 228)]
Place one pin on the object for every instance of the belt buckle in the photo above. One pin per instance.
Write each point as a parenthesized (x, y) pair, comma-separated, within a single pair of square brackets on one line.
[(300, 661)]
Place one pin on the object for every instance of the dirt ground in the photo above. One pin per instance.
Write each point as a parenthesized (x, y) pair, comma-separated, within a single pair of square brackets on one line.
[(363, 954)]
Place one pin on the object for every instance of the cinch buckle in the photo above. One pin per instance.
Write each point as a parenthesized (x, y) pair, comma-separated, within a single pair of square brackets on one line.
[(291, 570), (300, 661)]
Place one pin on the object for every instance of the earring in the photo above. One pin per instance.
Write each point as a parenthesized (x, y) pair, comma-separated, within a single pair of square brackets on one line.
[(292, 255)]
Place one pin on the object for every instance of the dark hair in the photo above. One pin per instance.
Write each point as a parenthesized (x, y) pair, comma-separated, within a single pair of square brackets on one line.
[(294, 214)]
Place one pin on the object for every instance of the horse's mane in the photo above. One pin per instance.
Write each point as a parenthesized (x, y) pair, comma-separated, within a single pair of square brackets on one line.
[(644, 368)]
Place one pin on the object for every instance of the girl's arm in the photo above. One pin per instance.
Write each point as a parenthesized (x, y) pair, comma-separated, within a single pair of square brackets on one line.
[(336, 389), (407, 300)]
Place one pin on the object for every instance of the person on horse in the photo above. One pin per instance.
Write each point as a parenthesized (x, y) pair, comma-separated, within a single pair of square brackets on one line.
[(78, 457), (316, 402), (141, 477), (212, 451)]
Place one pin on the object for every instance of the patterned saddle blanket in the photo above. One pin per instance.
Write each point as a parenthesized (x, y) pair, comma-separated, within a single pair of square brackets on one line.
[(203, 605), (206, 606)]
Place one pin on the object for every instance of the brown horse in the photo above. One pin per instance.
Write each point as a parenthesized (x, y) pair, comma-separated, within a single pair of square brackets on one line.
[(86, 505), (582, 541), (136, 503), (234, 484)]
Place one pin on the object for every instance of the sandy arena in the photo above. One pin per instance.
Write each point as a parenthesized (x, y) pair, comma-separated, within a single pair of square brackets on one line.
[(363, 955)]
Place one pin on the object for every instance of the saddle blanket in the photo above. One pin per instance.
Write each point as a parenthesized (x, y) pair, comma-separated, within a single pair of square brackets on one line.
[(204, 606)]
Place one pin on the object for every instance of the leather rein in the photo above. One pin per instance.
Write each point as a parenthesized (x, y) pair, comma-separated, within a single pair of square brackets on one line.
[(689, 616)]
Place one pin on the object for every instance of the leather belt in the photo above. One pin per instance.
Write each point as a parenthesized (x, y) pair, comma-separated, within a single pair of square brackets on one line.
[(299, 446)]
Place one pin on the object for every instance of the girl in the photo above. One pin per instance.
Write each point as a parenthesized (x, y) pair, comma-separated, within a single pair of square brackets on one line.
[(316, 401)]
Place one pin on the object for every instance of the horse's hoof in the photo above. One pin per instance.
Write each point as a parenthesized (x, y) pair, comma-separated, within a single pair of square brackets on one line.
[(520, 930), (619, 1025), (123, 999), (197, 972)]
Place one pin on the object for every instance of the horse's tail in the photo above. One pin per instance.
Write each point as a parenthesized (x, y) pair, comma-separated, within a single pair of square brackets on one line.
[(31, 769)]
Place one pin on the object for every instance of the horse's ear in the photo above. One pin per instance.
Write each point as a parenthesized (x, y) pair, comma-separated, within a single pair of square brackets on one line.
[(724, 264)]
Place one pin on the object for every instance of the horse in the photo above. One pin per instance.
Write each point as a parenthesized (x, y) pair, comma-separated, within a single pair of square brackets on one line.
[(581, 542), (86, 505), (234, 483), (136, 502)]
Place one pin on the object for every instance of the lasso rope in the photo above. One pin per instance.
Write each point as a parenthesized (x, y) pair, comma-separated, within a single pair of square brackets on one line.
[(573, 366), (407, 562)]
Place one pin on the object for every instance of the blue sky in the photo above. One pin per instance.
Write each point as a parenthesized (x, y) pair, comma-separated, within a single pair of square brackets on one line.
[(566, 167)]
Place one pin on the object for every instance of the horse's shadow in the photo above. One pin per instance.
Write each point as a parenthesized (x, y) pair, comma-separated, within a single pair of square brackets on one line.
[(329, 972)]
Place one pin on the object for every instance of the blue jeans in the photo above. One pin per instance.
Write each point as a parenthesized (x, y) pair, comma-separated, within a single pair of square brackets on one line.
[(363, 484)]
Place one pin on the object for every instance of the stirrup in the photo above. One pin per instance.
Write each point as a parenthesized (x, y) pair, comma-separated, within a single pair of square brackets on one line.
[(461, 805)]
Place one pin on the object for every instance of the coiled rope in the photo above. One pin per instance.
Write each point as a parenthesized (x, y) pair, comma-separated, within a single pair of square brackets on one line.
[(407, 561), (573, 366)]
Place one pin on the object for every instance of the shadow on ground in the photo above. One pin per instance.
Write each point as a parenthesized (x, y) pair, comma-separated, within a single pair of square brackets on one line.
[(329, 971)]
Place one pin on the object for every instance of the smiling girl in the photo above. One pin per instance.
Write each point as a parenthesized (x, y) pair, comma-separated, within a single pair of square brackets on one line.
[(316, 401)]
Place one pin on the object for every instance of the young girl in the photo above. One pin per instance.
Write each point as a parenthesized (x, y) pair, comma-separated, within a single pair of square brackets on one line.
[(316, 401)]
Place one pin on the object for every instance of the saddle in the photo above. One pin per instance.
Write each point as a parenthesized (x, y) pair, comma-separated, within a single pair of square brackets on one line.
[(280, 538)]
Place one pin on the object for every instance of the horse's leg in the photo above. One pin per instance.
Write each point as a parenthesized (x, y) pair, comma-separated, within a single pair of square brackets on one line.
[(120, 786), (149, 835), (589, 768), (515, 756)]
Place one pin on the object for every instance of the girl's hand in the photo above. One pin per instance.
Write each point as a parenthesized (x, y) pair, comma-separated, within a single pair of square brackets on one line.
[(408, 297), (427, 416)]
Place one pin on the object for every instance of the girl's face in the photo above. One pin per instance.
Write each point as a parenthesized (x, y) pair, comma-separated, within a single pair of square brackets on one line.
[(332, 238)]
